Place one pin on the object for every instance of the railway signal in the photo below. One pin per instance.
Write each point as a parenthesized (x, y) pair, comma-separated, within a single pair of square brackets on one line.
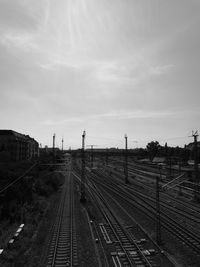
[(54, 156), (83, 199), (196, 170), (126, 160)]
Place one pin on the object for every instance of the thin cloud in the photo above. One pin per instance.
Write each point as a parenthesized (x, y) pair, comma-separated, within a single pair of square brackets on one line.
[(121, 115), (100, 64)]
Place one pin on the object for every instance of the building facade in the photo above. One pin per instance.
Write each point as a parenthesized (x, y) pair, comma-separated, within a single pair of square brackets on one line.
[(15, 146)]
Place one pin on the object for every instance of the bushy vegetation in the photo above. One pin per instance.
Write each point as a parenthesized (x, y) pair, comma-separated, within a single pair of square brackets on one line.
[(48, 184), (27, 200), (154, 149), (26, 192)]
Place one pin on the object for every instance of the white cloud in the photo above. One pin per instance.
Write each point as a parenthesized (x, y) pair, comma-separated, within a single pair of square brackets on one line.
[(116, 115), (82, 62)]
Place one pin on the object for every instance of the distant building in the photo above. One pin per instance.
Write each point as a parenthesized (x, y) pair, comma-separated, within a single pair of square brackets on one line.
[(49, 150), (159, 160), (190, 146), (15, 146)]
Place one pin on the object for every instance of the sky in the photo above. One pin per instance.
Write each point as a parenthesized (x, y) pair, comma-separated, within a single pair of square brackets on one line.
[(109, 67)]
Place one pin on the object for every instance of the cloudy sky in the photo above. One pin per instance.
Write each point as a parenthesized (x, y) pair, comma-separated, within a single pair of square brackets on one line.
[(109, 67)]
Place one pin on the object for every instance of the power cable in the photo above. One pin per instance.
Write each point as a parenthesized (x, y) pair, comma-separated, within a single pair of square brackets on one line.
[(13, 182)]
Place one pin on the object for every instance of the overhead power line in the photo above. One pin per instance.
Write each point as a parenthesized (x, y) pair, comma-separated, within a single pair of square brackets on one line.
[(139, 140), (16, 180)]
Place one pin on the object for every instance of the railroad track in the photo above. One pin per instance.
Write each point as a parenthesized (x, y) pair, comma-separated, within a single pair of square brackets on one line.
[(126, 250), (148, 172), (187, 210), (62, 249), (147, 175), (172, 226)]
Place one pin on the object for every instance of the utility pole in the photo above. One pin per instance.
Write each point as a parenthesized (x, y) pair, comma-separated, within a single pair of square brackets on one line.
[(106, 156), (83, 199), (62, 144), (54, 158), (126, 160), (196, 171), (92, 155), (170, 167), (158, 224), (179, 171)]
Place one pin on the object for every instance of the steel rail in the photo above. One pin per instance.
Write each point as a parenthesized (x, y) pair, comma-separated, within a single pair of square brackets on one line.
[(58, 227), (72, 224), (103, 207), (173, 227), (63, 230), (177, 210)]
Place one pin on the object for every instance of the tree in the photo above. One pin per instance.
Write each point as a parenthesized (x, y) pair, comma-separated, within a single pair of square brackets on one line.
[(185, 155), (152, 149)]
